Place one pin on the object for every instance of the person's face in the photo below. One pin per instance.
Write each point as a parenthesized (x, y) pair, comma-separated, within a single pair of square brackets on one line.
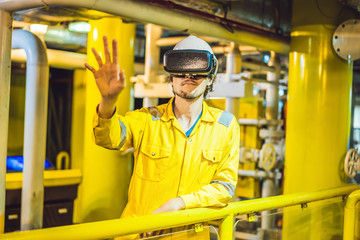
[(189, 87)]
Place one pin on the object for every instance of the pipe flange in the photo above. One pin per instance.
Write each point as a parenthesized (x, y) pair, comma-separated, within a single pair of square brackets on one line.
[(346, 38)]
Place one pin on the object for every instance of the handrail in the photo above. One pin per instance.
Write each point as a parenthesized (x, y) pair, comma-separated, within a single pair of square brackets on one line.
[(127, 226), (350, 214)]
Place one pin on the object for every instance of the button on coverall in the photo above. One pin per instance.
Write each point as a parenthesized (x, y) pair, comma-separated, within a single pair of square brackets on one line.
[(201, 169)]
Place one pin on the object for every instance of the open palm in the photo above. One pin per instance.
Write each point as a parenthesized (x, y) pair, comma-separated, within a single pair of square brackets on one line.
[(109, 78)]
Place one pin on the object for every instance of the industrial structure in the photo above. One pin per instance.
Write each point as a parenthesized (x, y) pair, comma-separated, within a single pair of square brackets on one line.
[(288, 71)]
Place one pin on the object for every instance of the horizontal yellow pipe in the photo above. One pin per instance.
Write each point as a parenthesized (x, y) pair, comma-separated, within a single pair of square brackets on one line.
[(126, 226), (349, 215)]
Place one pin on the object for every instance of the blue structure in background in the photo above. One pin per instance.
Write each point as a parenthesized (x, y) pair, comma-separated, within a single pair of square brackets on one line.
[(16, 163)]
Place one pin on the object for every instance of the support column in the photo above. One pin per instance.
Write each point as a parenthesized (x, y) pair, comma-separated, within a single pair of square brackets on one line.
[(272, 113), (5, 71), (233, 66), (106, 174), (318, 118), (272, 90), (152, 55)]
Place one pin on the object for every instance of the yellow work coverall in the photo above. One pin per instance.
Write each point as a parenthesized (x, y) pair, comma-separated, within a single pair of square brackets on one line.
[(201, 169)]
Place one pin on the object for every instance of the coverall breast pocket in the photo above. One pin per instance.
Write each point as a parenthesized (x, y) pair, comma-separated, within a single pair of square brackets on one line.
[(209, 162), (152, 162)]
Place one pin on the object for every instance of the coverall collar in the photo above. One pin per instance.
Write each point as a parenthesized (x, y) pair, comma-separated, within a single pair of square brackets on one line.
[(206, 116)]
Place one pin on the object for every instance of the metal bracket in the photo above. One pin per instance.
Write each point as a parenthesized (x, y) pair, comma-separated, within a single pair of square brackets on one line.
[(250, 217), (199, 227)]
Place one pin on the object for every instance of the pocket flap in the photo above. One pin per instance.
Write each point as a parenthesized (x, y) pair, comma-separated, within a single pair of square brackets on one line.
[(212, 155), (155, 151)]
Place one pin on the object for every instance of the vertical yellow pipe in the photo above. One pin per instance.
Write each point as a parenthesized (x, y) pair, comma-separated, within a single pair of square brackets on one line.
[(106, 174), (227, 228), (351, 231), (318, 117)]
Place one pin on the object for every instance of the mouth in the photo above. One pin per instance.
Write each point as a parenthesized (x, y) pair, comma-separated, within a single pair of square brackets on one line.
[(189, 83)]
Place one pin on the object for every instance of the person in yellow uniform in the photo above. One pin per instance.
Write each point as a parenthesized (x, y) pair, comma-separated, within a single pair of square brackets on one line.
[(186, 153)]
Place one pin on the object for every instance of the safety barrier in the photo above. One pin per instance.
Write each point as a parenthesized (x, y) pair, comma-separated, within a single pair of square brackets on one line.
[(122, 227), (350, 214)]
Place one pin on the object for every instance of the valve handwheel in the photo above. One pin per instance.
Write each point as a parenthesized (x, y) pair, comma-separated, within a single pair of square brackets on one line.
[(351, 163), (267, 156)]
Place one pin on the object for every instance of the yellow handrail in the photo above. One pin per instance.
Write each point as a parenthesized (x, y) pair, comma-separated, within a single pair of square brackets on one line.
[(349, 215), (126, 226)]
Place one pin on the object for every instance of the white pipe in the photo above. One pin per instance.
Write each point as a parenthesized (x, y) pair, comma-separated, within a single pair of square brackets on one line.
[(152, 55), (256, 174), (145, 12), (5, 71), (56, 58), (272, 91), (139, 69), (36, 102), (233, 66), (272, 103), (268, 190), (245, 50)]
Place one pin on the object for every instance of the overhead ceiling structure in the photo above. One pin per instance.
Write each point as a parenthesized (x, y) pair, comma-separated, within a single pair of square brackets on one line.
[(269, 19), (264, 18), (272, 16)]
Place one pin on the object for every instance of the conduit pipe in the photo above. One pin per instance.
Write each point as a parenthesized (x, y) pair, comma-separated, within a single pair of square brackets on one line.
[(272, 91), (56, 58), (272, 103), (5, 70), (152, 56), (36, 103), (144, 12), (233, 66), (256, 174)]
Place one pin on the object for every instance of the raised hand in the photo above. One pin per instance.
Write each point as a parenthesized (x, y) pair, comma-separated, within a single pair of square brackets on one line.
[(110, 80)]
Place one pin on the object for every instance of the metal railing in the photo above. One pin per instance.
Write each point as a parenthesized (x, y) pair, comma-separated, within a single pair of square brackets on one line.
[(127, 226)]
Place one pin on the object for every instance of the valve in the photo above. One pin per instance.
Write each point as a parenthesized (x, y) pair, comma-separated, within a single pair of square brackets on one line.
[(352, 164), (248, 154), (267, 156)]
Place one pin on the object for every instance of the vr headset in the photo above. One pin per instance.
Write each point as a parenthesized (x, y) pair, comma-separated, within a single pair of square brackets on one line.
[(190, 62)]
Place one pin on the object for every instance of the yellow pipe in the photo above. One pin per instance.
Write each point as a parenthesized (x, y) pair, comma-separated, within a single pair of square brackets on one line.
[(227, 228), (318, 114), (126, 226), (318, 122), (350, 214), (106, 174)]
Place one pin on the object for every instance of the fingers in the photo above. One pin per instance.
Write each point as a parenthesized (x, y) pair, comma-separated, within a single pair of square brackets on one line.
[(106, 50), (115, 51), (97, 57), (90, 68)]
